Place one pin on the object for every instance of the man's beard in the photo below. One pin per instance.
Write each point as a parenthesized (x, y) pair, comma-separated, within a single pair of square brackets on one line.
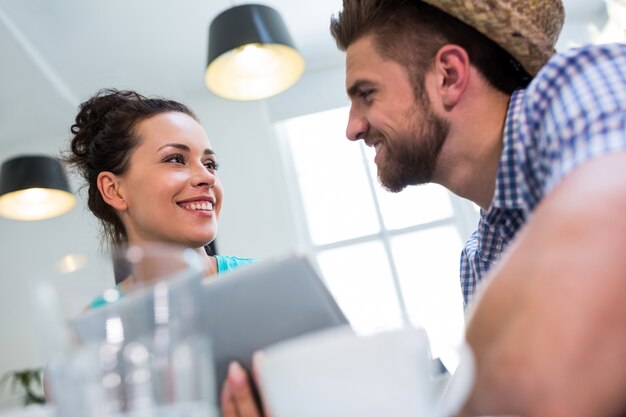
[(412, 160)]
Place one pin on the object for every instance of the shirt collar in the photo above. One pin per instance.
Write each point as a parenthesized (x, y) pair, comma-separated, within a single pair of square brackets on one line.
[(508, 194)]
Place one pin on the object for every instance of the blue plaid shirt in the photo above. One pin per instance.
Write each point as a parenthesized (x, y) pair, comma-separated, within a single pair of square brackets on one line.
[(574, 110)]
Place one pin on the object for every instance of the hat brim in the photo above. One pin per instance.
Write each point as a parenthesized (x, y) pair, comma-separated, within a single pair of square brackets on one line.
[(511, 28)]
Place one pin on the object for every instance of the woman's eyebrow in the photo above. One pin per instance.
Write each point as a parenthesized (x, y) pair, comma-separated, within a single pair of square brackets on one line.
[(186, 148)]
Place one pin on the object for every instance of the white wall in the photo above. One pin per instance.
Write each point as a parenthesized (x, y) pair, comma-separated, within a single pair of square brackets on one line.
[(27, 252)]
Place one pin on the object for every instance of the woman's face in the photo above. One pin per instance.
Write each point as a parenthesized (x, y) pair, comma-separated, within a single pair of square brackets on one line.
[(171, 188)]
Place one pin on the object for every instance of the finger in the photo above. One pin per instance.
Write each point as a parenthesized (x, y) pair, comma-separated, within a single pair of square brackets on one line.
[(241, 392), (229, 409)]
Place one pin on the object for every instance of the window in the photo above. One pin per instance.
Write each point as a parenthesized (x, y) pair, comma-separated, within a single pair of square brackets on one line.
[(388, 258)]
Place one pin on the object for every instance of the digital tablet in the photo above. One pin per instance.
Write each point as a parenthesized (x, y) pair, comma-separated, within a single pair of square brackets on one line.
[(240, 311)]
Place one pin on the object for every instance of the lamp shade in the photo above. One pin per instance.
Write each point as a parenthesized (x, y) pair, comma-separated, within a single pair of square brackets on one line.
[(251, 54), (34, 187)]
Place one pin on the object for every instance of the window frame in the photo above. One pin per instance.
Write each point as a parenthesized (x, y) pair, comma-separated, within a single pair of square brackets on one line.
[(464, 216)]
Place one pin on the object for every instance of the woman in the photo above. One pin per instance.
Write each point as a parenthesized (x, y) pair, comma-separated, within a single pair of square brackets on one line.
[(151, 174)]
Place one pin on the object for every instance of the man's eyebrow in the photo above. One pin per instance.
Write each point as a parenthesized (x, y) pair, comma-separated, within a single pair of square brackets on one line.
[(185, 148), (353, 90)]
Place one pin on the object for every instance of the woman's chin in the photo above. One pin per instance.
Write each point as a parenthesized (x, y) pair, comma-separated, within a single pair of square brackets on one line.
[(199, 242)]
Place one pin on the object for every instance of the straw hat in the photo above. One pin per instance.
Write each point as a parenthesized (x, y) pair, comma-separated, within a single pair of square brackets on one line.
[(526, 29)]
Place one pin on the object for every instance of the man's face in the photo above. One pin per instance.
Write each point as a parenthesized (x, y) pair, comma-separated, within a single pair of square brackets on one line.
[(385, 113)]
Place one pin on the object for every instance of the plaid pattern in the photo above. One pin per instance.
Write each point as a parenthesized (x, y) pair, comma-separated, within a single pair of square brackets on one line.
[(574, 110)]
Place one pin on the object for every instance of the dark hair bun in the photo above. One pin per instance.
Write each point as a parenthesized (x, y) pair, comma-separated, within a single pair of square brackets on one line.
[(103, 140), (94, 117)]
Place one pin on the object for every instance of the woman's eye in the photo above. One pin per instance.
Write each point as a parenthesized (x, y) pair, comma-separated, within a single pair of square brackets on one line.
[(211, 165), (176, 159)]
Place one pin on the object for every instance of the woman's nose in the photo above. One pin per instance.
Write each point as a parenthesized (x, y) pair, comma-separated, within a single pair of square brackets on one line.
[(358, 125), (201, 176)]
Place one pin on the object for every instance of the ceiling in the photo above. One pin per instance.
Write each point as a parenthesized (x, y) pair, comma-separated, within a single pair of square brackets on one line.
[(57, 53)]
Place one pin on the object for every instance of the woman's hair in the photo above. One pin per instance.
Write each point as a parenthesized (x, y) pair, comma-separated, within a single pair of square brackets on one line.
[(411, 32), (104, 138)]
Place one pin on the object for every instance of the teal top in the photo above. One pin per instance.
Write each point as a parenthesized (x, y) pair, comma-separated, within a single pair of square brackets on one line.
[(224, 264), (228, 263)]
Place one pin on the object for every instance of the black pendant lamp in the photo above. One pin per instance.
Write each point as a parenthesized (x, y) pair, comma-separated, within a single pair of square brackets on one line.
[(251, 54), (34, 187)]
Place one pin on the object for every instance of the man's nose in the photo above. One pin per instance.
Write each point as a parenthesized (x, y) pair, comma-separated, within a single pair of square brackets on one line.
[(358, 125)]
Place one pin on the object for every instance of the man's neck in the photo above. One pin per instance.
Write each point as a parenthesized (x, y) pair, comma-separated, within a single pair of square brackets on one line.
[(469, 165)]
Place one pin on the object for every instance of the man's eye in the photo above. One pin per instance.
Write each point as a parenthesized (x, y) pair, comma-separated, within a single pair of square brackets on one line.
[(366, 93)]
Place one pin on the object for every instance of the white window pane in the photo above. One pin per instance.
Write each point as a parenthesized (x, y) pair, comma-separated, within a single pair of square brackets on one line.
[(332, 178), (359, 278), (414, 205), (337, 207), (428, 268)]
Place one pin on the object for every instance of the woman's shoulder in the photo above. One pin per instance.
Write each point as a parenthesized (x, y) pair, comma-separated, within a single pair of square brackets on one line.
[(109, 296), (224, 264), (227, 263)]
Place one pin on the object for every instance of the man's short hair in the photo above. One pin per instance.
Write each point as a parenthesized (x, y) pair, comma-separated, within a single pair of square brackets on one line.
[(411, 32)]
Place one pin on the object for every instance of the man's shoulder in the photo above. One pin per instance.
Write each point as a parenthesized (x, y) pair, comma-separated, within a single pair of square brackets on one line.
[(591, 49), (578, 61), (587, 54), (579, 77), (573, 111)]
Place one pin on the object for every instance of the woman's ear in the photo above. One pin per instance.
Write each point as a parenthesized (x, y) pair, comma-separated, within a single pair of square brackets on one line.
[(452, 65), (109, 187)]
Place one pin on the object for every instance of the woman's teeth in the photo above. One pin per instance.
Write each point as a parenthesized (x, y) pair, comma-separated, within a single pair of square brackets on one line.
[(198, 206)]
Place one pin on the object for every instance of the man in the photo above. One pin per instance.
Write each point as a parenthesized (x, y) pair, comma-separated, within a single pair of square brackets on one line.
[(469, 94)]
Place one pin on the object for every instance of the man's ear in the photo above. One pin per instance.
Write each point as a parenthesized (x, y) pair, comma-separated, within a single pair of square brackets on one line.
[(109, 187), (452, 68)]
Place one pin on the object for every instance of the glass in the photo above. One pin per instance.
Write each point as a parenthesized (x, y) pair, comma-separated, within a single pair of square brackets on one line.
[(142, 352), (62, 290)]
